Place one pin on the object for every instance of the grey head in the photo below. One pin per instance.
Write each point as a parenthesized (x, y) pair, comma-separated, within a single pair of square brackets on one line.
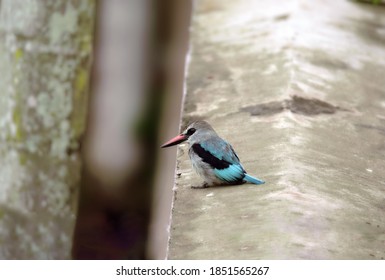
[(195, 132), (198, 131)]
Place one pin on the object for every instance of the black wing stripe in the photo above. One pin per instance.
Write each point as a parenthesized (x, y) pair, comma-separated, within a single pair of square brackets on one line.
[(207, 157)]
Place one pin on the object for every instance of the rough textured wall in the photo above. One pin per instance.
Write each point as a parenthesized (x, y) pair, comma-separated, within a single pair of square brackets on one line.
[(297, 87), (45, 50)]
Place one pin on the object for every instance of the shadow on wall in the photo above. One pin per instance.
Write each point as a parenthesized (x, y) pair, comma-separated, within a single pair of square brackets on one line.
[(130, 83)]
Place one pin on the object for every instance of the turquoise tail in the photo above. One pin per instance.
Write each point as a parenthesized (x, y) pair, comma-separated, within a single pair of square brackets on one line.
[(253, 180)]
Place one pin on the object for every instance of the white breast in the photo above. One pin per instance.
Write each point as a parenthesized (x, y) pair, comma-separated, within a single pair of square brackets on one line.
[(203, 169)]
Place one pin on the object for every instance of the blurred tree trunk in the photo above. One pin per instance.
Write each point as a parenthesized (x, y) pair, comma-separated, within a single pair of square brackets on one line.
[(45, 50)]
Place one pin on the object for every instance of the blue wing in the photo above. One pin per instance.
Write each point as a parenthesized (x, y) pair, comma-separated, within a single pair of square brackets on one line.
[(222, 158), (221, 150), (233, 174)]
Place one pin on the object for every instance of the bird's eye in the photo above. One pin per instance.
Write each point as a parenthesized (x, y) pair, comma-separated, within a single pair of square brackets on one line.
[(191, 131)]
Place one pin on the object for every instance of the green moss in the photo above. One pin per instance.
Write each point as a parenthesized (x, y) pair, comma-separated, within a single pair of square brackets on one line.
[(81, 82), (16, 114), (18, 54), (17, 120), (375, 2), (77, 127), (23, 158), (86, 46)]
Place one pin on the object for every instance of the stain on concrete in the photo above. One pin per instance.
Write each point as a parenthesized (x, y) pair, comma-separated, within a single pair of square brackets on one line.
[(296, 104), (304, 106), (282, 17), (323, 59), (265, 109)]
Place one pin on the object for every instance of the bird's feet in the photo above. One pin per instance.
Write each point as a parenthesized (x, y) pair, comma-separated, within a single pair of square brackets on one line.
[(204, 186)]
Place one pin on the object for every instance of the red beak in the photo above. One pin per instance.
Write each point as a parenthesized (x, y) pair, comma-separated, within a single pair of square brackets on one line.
[(174, 141)]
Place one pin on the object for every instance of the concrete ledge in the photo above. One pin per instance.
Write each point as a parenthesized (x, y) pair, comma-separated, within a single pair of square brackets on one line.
[(298, 88)]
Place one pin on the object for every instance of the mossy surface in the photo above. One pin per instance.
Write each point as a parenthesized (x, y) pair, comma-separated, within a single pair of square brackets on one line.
[(45, 52)]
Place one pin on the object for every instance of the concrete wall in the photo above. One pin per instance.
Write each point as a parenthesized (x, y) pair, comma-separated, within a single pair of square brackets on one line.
[(298, 88)]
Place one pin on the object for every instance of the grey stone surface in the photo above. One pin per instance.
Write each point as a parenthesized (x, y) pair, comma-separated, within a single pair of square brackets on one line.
[(298, 88)]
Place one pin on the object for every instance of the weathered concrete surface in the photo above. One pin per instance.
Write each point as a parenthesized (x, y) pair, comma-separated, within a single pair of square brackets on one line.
[(298, 88)]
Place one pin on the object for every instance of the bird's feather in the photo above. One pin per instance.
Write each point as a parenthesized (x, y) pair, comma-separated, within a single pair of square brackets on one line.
[(222, 158), (251, 179), (220, 149), (210, 157), (232, 174)]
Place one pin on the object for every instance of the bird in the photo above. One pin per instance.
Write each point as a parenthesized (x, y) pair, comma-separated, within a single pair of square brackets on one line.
[(212, 157)]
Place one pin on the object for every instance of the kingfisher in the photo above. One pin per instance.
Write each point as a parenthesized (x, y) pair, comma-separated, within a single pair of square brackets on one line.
[(213, 158)]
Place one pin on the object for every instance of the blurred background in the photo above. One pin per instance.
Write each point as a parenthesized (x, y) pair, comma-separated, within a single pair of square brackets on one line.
[(136, 93), (88, 92)]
